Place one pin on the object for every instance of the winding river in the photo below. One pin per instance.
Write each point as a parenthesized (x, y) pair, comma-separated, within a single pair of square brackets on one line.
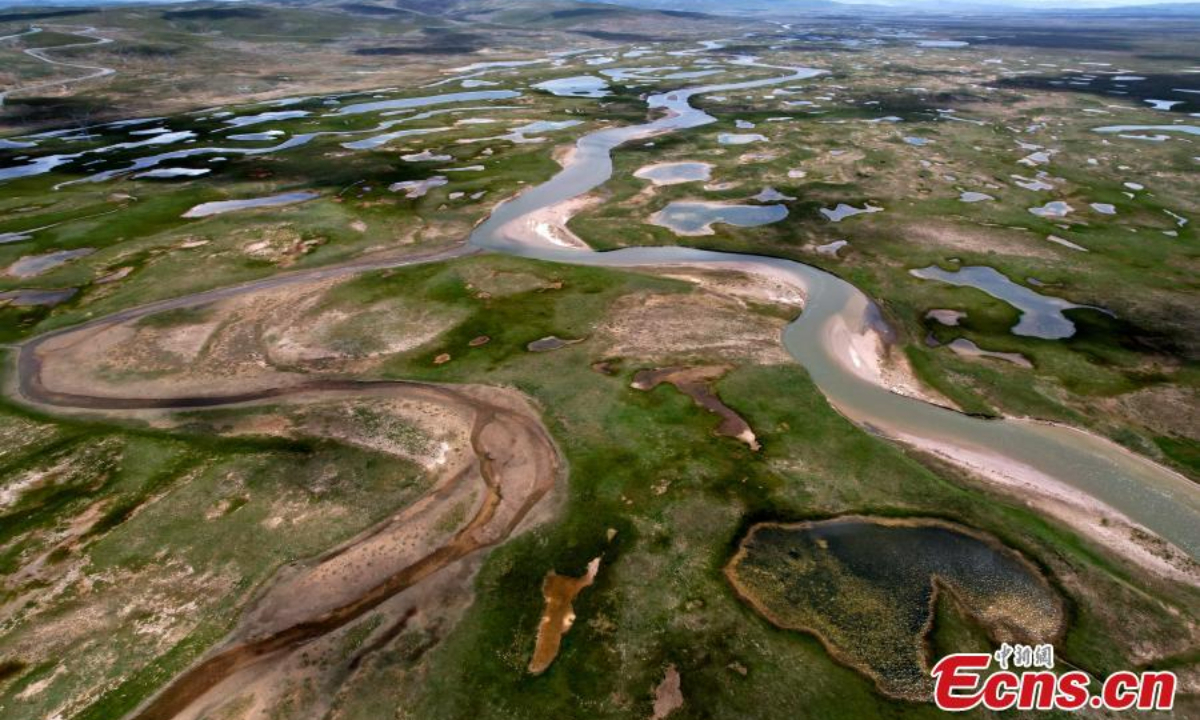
[(828, 339), (834, 339), (1051, 460)]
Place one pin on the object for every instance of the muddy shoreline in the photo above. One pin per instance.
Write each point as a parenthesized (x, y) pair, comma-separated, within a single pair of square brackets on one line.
[(939, 586)]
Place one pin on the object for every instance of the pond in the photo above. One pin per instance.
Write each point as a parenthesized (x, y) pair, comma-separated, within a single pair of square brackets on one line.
[(1054, 209), (1041, 315), (580, 86), (843, 211), (974, 197), (274, 115), (868, 589), (520, 134), (771, 195), (697, 218), (256, 136), (27, 297), (1036, 184), (33, 265), (740, 138), (381, 140), (675, 173), (167, 173), (221, 207), (415, 102), (1188, 129), (414, 189)]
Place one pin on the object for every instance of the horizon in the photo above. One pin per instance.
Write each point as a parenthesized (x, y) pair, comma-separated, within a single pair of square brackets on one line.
[(944, 6), (621, 359)]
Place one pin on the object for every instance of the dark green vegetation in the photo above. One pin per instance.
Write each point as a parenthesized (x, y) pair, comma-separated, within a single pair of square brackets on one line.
[(1108, 86), (647, 466), (869, 590), (130, 548), (643, 464)]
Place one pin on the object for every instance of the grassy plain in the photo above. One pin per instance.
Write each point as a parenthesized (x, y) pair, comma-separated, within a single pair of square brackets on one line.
[(131, 548)]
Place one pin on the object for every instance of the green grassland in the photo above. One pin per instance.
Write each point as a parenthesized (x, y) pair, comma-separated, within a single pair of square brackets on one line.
[(138, 224), (1144, 277), (660, 596), (183, 513), (170, 59)]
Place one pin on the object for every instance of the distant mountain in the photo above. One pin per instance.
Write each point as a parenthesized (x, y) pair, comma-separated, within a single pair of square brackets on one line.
[(725, 7), (1104, 8), (1190, 9), (1083, 7), (685, 8)]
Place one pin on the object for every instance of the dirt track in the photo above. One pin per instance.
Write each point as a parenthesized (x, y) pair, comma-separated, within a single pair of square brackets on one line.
[(94, 71)]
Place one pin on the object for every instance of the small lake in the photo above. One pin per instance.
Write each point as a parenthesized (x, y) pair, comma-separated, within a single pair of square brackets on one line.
[(29, 297), (1188, 129), (675, 173), (771, 195), (974, 197), (545, 126), (272, 116), (655, 74), (1055, 209), (380, 140), (942, 43), (167, 173), (33, 265), (414, 189), (1065, 243), (740, 138), (416, 102), (426, 156), (580, 86), (843, 211), (867, 588), (520, 135), (1041, 315), (221, 207), (697, 218), (832, 248), (256, 136), (1034, 184)]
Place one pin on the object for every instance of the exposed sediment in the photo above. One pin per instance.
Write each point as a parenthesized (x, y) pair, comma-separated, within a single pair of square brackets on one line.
[(559, 592), (513, 464), (696, 383)]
